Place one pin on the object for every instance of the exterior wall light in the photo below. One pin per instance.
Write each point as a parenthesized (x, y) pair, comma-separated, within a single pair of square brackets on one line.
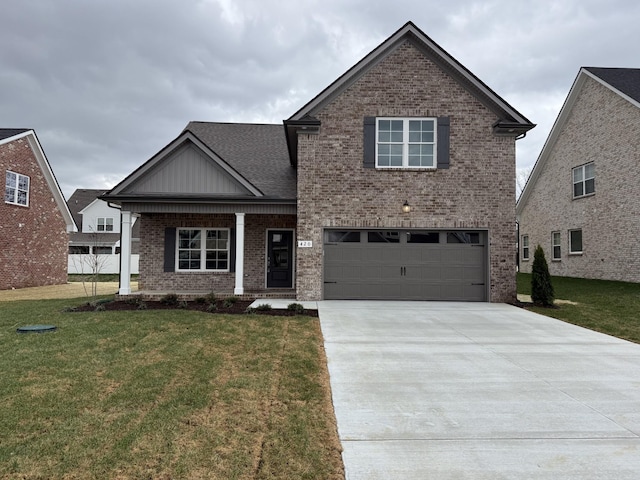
[(406, 208)]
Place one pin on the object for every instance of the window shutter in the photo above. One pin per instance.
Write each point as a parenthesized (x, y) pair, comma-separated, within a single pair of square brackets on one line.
[(443, 142), (169, 249), (232, 250), (369, 142)]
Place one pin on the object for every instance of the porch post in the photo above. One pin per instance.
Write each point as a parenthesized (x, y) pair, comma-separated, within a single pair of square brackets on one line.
[(239, 290), (125, 253)]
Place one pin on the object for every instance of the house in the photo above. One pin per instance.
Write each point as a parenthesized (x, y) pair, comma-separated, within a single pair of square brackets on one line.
[(96, 247), (582, 198), (34, 218), (395, 182)]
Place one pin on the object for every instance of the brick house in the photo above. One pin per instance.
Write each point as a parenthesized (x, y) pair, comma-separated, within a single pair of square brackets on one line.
[(582, 198), (34, 218), (395, 182)]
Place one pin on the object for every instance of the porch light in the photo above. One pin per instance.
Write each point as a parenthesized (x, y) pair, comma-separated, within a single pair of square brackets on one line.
[(406, 208)]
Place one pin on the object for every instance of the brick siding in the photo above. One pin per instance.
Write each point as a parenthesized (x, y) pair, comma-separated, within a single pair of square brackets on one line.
[(603, 128), (34, 238), (476, 192)]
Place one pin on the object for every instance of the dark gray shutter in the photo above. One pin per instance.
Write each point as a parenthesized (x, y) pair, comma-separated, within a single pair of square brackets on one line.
[(443, 142), (232, 250), (369, 142), (169, 249)]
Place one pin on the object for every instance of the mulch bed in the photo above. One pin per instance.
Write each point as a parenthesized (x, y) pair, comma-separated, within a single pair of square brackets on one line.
[(237, 308)]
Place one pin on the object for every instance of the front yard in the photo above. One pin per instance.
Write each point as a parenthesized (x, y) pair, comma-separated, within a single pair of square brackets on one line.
[(163, 394), (605, 306)]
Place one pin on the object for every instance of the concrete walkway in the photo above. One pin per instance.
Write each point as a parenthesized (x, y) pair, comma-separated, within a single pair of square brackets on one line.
[(479, 391)]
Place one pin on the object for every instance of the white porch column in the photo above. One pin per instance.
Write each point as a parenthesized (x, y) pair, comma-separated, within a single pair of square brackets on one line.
[(125, 253), (239, 290)]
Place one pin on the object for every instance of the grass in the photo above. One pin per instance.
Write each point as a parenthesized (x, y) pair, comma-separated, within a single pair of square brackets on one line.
[(604, 306), (101, 277), (163, 394)]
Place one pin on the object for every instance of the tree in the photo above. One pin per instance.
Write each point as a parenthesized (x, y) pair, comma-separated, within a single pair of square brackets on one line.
[(541, 287)]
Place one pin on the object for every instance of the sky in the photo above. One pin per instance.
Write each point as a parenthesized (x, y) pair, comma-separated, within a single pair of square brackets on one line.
[(107, 84)]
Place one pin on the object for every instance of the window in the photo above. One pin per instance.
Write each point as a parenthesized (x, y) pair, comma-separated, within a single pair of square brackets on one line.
[(463, 237), (423, 237), (525, 247), (105, 224), (342, 236), (79, 249), (406, 142), (16, 189), (383, 237), (584, 181), (203, 249), (102, 250), (555, 246), (575, 242)]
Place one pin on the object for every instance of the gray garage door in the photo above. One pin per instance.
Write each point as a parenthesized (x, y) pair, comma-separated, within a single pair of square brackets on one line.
[(405, 265)]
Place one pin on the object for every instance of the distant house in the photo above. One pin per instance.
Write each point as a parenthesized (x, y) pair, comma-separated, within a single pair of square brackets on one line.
[(582, 200), (97, 245), (34, 218), (395, 182)]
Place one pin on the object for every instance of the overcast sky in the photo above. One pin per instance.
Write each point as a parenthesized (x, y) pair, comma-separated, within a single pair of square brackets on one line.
[(107, 83)]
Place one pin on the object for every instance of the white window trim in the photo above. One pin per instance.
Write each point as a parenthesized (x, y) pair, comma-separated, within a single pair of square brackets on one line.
[(583, 181), (554, 245), (571, 252), (15, 202), (527, 246), (105, 225), (203, 250), (405, 143)]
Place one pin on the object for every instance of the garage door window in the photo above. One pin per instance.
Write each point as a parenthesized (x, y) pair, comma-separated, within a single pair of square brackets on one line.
[(463, 237), (342, 236), (423, 237), (383, 237)]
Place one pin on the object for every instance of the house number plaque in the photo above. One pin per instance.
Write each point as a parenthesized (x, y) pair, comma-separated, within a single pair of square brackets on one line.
[(305, 244)]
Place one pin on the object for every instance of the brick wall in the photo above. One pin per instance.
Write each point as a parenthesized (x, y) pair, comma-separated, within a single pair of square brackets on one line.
[(34, 238), (604, 128), (152, 231), (477, 191)]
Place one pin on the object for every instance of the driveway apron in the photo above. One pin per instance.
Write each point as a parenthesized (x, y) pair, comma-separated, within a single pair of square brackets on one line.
[(439, 390)]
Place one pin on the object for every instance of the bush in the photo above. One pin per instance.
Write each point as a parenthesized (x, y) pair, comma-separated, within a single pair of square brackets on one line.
[(296, 307), (541, 288), (170, 299), (230, 301), (264, 307)]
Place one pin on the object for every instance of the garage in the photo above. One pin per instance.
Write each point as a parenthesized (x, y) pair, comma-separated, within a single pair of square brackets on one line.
[(405, 265)]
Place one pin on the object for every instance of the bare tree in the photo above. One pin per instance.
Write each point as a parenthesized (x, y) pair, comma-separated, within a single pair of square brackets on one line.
[(522, 176)]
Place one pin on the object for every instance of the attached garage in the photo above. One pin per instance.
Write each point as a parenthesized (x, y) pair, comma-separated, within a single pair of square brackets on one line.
[(406, 265)]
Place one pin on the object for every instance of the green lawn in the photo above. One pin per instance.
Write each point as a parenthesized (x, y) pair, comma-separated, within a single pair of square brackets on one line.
[(163, 394), (605, 306)]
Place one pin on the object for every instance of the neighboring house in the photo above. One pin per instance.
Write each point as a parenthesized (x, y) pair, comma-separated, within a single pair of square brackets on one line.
[(96, 247), (34, 218), (395, 182), (582, 199)]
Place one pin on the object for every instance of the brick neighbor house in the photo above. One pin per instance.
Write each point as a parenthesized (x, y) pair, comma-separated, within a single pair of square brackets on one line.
[(582, 199), (395, 182), (34, 218)]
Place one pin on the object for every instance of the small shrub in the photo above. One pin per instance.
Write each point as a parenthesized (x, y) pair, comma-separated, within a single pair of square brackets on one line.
[(70, 309), (250, 311), (263, 307), (212, 307), (100, 307), (541, 288), (142, 305), (296, 307), (132, 300), (230, 301), (183, 305), (200, 300), (170, 299), (210, 298)]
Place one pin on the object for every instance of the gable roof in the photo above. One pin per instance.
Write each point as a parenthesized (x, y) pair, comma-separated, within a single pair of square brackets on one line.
[(80, 199), (510, 121), (8, 135), (624, 82), (254, 156)]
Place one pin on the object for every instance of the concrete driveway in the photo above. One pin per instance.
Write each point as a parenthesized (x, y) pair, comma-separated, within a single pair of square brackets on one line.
[(431, 390)]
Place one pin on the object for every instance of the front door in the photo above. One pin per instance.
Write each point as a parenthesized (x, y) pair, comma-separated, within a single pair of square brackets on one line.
[(280, 259)]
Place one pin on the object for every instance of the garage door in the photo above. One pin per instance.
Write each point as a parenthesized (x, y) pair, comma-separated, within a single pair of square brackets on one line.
[(405, 265)]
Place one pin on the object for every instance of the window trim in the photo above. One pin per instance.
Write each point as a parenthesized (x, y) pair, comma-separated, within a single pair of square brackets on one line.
[(105, 230), (583, 181), (203, 250), (27, 191), (405, 143), (525, 245), (555, 245), (576, 252)]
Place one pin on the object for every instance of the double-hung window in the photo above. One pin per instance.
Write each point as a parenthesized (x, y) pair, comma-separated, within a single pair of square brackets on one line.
[(406, 142), (203, 249), (16, 189), (525, 247), (555, 246), (575, 242), (105, 224), (584, 180)]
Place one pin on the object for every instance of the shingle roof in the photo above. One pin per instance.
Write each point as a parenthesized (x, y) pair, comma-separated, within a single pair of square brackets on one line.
[(79, 200), (10, 132), (258, 152), (626, 80)]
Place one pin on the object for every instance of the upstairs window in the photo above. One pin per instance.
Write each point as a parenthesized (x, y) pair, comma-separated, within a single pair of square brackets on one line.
[(584, 180), (16, 189), (105, 224), (406, 143)]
